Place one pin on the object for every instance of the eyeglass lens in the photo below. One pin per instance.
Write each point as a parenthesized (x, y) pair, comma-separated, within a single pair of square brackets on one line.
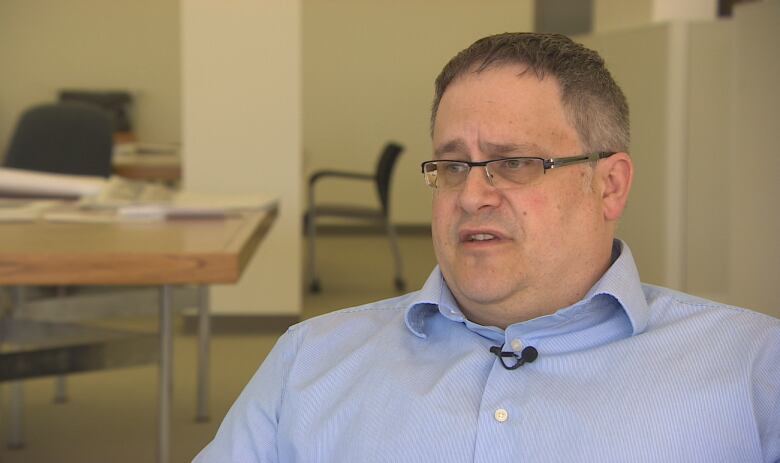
[(500, 172)]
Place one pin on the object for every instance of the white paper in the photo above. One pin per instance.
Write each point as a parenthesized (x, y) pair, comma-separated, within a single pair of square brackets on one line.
[(19, 182), (23, 210), (192, 204)]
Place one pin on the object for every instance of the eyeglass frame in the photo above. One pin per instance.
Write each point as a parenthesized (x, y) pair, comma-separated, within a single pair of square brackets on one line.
[(547, 163)]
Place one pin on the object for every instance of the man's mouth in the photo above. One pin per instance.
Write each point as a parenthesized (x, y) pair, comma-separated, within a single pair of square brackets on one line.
[(481, 237)]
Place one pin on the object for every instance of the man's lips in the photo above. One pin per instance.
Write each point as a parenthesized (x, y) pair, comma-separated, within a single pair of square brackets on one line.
[(480, 236)]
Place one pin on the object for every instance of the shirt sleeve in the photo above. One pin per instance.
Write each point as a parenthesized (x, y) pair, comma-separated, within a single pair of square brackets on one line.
[(248, 432), (766, 395)]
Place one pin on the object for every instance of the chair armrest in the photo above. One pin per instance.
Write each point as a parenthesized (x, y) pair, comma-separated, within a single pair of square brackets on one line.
[(320, 174), (340, 174)]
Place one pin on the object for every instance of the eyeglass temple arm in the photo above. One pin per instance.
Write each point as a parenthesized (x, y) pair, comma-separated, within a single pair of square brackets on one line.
[(590, 157)]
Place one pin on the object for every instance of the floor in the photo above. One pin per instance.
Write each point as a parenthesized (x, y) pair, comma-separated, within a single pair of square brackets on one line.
[(111, 416)]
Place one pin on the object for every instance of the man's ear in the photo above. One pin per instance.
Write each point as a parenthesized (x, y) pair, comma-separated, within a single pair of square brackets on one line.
[(616, 173)]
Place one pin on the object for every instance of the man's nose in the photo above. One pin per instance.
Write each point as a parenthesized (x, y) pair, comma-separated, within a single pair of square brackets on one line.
[(478, 190)]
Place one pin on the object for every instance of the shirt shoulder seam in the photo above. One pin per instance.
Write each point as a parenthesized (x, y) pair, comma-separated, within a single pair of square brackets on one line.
[(351, 310), (707, 304)]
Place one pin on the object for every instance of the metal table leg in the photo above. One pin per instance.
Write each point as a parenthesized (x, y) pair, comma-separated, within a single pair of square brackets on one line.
[(204, 335), (16, 431), (166, 374)]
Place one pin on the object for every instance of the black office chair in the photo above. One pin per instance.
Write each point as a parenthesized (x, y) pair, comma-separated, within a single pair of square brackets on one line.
[(63, 138), (378, 215)]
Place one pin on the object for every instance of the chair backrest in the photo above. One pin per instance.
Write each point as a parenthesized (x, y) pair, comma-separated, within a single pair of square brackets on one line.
[(64, 138), (384, 171)]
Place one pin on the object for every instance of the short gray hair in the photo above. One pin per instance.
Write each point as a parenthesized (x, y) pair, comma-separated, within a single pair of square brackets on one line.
[(594, 103)]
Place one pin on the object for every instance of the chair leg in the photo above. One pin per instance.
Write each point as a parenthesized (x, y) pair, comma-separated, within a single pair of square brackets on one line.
[(60, 390), (16, 429), (400, 284), (314, 282)]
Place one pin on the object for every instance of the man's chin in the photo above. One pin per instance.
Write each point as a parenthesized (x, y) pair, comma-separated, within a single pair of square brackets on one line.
[(480, 295)]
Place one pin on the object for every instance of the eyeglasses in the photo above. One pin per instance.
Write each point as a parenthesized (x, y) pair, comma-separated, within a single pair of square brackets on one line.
[(501, 173)]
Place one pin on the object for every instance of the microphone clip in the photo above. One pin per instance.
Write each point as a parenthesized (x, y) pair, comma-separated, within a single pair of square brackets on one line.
[(528, 355)]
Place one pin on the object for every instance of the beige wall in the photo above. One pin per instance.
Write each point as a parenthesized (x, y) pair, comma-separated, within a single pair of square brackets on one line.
[(645, 82), (704, 112), (708, 200), (754, 162), (241, 107), (46, 45), (368, 77)]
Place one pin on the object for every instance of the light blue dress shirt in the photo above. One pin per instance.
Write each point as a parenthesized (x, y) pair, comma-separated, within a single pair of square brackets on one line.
[(632, 373)]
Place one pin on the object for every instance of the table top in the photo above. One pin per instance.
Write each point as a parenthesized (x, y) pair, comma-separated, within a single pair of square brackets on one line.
[(195, 251)]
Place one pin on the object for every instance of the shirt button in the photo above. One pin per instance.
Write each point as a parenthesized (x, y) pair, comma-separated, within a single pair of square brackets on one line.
[(517, 345), (501, 415)]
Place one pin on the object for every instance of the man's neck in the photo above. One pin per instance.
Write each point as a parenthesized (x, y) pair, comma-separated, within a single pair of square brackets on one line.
[(535, 302)]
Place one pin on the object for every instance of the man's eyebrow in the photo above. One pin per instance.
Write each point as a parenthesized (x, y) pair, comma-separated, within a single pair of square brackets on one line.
[(456, 146), (491, 150), (498, 150)]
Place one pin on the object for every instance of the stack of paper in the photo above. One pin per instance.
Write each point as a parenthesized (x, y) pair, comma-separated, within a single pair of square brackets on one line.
[(23, 210), (188, 204), (31, 184), (117, 199)]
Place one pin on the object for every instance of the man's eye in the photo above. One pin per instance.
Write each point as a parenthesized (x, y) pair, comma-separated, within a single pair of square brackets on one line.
[(453, 168), (513, 164)]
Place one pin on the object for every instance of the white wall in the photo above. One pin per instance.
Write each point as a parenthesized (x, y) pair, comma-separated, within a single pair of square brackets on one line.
[(611, 15), (690, 10), (46, 45), (621, 14), (368, 77), (241, 107)]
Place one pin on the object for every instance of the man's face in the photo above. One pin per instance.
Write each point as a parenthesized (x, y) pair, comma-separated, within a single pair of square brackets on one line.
[(547, 239)]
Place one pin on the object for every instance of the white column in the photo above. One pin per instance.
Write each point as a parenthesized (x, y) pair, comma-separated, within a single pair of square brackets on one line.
[(241, 111), (623, 14)]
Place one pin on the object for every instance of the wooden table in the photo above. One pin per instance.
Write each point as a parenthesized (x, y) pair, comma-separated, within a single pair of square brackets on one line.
[(162, 254), (165, 167)]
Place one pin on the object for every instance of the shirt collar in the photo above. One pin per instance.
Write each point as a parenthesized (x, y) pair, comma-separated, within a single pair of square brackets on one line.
[(621, 282)]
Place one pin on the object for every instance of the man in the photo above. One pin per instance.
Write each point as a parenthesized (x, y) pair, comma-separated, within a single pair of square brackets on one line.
[(533, 340)]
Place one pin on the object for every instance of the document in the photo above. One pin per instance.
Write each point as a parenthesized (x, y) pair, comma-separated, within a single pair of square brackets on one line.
[(189, 204), (24, 210), (31, 184), (116, 199)]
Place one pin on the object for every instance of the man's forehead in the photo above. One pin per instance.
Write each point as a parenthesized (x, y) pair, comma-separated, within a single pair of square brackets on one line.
[(460, 148), (501, 111)]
